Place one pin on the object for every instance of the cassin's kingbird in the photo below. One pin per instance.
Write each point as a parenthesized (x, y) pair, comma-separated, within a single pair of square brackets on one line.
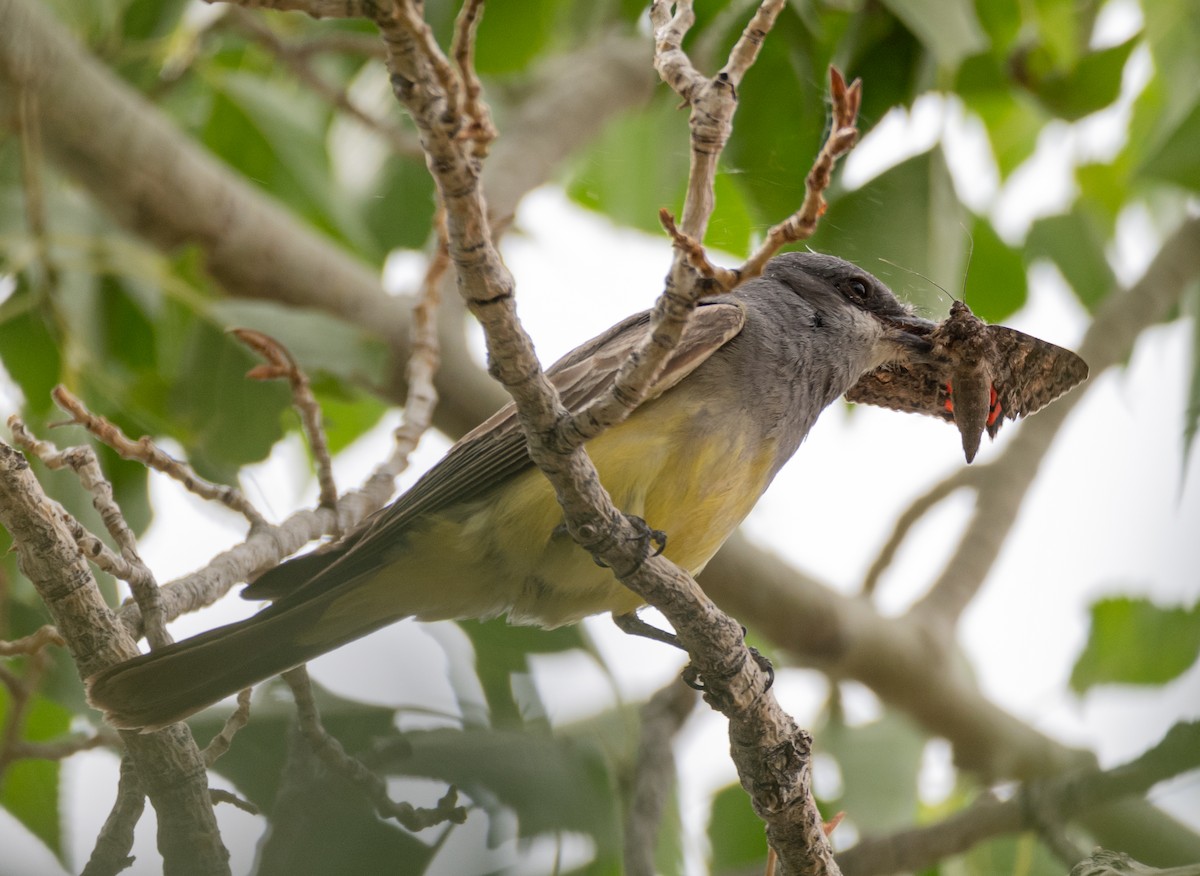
[(480, 534)]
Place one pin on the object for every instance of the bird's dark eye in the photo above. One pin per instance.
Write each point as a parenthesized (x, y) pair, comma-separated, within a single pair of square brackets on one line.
[(857, 288)]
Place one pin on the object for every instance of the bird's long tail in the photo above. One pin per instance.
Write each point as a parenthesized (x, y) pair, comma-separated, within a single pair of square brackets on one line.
[(170, 683)]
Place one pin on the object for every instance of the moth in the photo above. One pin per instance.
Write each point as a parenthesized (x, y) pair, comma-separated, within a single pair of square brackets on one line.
[(976, 376)]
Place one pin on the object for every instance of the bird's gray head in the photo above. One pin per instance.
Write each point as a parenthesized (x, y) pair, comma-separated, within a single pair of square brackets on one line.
[(839, 295)]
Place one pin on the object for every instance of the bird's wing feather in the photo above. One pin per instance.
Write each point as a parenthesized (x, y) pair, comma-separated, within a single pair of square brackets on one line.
[(495, 450)]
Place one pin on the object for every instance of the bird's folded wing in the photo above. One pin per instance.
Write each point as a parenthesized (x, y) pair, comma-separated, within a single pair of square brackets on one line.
[(495, 450)]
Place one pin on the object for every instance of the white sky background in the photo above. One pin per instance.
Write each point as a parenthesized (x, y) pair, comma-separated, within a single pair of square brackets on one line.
[(1112, 511)]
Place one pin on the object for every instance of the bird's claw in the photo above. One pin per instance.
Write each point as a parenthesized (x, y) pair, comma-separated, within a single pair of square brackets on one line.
[(647, 537)]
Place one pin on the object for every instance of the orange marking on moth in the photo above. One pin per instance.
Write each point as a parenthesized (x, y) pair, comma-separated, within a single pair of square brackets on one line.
[(995, 408)]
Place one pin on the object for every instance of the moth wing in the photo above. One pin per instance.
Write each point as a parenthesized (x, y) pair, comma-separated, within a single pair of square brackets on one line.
[(908, 387), (1029, 373)]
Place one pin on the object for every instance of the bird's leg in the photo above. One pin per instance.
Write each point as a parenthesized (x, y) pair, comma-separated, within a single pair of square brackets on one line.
[(634, 626)]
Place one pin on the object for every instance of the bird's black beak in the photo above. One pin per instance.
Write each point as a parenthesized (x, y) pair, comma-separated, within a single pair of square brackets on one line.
[(911, 335)]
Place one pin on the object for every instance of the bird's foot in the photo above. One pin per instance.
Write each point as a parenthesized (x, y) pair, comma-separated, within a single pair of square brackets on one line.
[(652, 541), (691, 675)]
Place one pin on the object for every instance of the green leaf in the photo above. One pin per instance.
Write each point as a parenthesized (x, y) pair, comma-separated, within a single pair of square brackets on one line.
[(1177, 160), (552, 784), (1012, 119), (1020, 855), (29, 789), (620, 177), (502, 649), (1191, 426), (730, 227), (1092, 84), (511, 35), (996, 286), (908, 215), (1171, 96), (29, 346), (223, 420), (319, 342), (272, 132), (879, 763), (1133, 641), (1074, 242), (256, 759), (949, 29), (737, 836), (399, 212), (780, 121)]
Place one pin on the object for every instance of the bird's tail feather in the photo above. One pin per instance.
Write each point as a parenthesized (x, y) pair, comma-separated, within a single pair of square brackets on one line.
[(170, 683)]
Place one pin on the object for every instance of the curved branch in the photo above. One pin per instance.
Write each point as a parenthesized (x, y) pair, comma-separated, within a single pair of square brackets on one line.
[(1177, 753)]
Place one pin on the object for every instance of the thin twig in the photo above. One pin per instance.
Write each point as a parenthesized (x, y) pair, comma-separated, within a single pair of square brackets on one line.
[(219, 795), (479, 130), (963, 477), (144, 451), (20, 698), (1067, 797), (654, 774), (35, 641), (220, 743), (331, 753), (128, 565), (111, 855), (296, 59), (61, 749), (280, 365)]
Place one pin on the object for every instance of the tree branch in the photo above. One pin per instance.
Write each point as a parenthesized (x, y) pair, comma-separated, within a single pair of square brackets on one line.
[(168, 761), (1066, 797)]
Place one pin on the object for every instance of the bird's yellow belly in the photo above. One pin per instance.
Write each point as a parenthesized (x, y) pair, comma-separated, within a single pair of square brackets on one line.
[(507, 552)]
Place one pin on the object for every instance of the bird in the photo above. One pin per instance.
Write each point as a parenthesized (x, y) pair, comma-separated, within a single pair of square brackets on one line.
[(481, 534)]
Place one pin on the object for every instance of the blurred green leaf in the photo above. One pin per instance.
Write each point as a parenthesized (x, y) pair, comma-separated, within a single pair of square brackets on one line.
[(1020, 855), (620, 177), (552, 784), (1001, 22), (780, 121), (996, 286), (1075, 243), (29, 346), (255, 762), (909, 215), (948, 29), (512, 34), (730, 227), (1191, 416), (319, 342), (737, 836), (1133, 641), (1092, 84), (222, 419), (272, 132), (1177, 160), (29, 788), (879, 763), (502, 649), (669, 853), (399, 211), (1011, 118)]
